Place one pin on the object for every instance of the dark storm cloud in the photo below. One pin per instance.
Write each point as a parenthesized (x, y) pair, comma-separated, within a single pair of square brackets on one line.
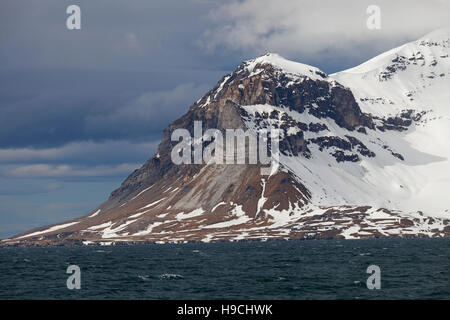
[(90, 105), (88, 152), (58, 86), (115, 34)]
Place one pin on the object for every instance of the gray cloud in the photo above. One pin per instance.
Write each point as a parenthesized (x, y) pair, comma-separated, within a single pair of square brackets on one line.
[(134, 35), (56, 84), (28, 189), (92, 105), (84, 152), (69, 171), (146, 112)]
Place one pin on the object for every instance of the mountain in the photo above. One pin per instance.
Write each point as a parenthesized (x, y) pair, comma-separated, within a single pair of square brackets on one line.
[(363, 153)]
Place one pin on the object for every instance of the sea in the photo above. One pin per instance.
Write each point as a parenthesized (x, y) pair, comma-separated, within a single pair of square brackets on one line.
[(275, 270)]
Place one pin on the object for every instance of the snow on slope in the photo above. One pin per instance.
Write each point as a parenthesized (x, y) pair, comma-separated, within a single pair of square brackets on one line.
[(288, 67), (413, 76), (54, 228), (379, 181)]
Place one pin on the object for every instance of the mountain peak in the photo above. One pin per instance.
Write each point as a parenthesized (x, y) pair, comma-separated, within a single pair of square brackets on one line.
[(432, 46), (414, 76), (285, 65)]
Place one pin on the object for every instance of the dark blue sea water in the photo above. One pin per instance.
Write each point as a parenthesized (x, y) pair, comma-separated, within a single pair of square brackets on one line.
[(410, 269)]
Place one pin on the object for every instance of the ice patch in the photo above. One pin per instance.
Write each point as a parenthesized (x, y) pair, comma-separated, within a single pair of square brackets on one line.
[(55, 228), (95, 213), (142, 192), (152, 204), (192, 214)]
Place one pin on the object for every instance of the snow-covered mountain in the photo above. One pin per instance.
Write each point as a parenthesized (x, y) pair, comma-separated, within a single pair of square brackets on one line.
[(364, 153), (415, 76)]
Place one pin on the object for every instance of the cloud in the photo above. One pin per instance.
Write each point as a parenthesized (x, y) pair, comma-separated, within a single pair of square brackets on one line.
[(52, 108), (147, 111), (84, 151), (68, 171), (56, 84), (139, 35), (320, 29), (30, 189), (133, 42)]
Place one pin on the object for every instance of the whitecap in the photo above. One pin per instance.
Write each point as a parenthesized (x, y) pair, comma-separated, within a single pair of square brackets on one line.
[(170, 276)]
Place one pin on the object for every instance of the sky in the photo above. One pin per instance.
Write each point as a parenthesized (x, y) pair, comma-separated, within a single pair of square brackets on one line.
[(81, 109)]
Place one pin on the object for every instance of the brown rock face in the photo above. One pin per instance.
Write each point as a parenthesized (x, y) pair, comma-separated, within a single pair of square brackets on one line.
[(320, 98), (223, 112)]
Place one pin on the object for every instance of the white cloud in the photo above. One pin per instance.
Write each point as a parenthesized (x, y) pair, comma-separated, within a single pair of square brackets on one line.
[(320, 28)]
